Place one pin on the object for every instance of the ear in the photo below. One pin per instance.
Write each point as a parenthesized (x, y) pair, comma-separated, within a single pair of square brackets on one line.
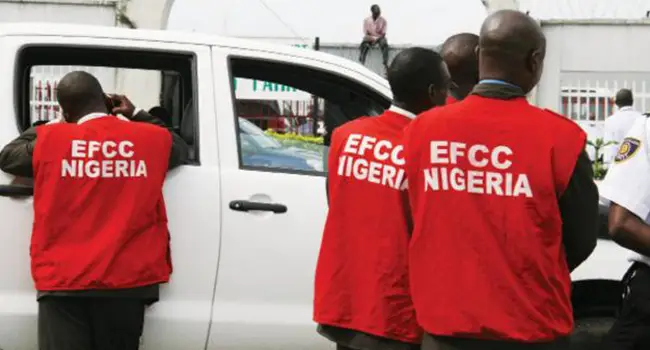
[(432, 92), (532, 61)]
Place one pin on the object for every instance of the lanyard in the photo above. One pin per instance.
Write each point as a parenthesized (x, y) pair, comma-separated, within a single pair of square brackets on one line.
[(498, 82)]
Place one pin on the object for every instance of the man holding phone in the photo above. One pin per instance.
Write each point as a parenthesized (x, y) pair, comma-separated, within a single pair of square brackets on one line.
[(100, 243)]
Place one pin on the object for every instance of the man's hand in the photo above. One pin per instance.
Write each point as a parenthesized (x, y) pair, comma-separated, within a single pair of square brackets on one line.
[(122, 105)]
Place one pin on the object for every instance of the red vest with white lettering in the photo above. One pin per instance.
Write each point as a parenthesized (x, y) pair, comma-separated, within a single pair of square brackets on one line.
[(486, 256), (362, 276), (99, 213)]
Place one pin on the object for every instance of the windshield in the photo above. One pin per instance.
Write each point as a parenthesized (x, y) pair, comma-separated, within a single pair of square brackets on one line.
[(257, 135)]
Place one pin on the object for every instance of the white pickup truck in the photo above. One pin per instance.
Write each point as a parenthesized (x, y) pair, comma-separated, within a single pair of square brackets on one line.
[(245, 215)]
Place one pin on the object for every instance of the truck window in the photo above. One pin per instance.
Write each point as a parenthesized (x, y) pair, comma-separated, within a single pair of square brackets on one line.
[(285, 114), (168, 77)]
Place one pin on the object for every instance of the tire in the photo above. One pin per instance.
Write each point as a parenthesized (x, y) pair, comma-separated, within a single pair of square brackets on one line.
[(589, 332)]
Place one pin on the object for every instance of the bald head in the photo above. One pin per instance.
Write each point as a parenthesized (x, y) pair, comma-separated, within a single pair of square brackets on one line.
[(459, 53), (512, 47), (417, 76), (80, 93), (624, 98)]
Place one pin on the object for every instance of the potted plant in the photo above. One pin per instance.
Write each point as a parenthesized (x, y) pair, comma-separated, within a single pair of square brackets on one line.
[(600, 169)]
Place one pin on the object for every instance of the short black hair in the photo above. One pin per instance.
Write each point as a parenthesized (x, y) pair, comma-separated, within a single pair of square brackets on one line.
[(624, 97), (78, 92), (412, 71), (375, 6)]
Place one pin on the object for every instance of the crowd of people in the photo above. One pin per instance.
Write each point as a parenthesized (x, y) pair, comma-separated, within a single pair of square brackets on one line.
[(479, 208), (461, 235)]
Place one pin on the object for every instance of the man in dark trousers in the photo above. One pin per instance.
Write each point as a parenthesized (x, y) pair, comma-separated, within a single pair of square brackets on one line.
[(459, 53), (362, 296), (503, 202), (100, 244), (374, 34)]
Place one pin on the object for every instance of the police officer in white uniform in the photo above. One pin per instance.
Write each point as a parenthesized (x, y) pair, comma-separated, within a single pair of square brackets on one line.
[(627, 187), (619, 123)]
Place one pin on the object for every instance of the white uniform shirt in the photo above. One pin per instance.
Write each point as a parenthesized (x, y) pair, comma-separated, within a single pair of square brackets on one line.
[(627, 183), (616, 127)]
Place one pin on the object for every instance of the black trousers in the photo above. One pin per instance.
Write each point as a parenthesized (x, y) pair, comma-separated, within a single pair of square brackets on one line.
[(430, 342), (366, 45), (631, 331), (89, 323)]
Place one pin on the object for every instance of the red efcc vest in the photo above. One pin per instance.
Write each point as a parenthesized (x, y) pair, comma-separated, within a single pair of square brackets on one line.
[(362, 275), (486, 256), (99, 213)]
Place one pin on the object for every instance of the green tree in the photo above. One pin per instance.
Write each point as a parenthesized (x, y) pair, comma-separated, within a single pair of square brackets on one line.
[(598, 165)]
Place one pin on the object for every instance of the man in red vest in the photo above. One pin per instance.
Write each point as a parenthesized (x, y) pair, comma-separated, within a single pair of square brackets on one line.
[(503, 202), (362, 295), (459, 53), (100, 244)]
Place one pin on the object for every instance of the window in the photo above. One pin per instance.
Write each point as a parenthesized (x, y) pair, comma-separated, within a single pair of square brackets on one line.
[(285, 113), (159, 82)]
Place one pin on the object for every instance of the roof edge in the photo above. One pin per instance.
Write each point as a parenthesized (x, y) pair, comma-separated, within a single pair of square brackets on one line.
[(596, 21)]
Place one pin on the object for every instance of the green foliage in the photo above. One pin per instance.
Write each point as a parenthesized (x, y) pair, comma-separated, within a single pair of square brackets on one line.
[(599, 167), (314, 143)]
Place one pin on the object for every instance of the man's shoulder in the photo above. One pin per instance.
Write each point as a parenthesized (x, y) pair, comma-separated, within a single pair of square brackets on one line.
[(559, 120), (357, 123), (55, 127), (434, 114), (639, 128)]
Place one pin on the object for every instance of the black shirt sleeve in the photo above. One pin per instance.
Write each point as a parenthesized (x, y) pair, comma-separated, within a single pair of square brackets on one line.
[(579, 210), (16, 157), (327, 188), (180, 149)]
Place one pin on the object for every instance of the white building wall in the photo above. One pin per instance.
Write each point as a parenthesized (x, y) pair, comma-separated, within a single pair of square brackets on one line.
[(594, 51), (61, 11), (141, 86), (587, 62)]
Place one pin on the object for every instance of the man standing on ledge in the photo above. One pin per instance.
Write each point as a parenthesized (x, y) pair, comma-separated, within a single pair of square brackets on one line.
[(374, 31), (459, 53), (504, 205)]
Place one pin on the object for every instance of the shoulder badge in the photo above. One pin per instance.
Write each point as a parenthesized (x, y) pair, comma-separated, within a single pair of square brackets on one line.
[(628, 149)]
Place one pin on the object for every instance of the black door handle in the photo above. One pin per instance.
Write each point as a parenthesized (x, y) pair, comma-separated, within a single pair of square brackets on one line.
[(16, 191), (257, 206)]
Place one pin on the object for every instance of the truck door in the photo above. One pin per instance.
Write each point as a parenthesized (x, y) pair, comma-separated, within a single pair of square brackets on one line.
[(274, 201), (133, 67)]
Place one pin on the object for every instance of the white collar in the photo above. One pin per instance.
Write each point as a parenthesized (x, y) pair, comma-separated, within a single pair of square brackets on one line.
[(402, 111), (92, 116), (626, 108)]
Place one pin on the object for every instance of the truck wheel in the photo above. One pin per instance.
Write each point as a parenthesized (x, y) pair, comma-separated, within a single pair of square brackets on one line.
[(589, 331)]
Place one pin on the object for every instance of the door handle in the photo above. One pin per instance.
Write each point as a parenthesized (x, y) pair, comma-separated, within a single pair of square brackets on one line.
[(240, 205), (16, 191)]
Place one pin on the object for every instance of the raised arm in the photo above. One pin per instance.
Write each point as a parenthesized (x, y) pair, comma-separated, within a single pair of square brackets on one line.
[(180, 149), (16, 157)]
